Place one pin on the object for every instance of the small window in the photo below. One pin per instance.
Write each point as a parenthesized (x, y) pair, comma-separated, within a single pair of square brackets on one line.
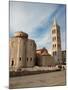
[(55, 45), (54, 53), (53, 31), (31, 59), (54, 39), (12, 63), (20, 58), (27, 59)]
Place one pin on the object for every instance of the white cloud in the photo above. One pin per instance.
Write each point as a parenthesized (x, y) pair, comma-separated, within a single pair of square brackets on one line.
[(26, 16)]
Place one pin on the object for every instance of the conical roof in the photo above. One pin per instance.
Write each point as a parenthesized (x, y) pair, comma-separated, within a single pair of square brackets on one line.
[(54, 21), (21, 34)]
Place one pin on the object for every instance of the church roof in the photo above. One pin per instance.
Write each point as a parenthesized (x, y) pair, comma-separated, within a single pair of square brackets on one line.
[(21, 34), (42, 52)]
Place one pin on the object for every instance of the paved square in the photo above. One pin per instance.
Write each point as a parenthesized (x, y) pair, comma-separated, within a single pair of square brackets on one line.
[(44, 79)]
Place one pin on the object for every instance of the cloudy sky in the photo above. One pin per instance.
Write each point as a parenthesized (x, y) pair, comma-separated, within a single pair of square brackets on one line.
[(36, 19)]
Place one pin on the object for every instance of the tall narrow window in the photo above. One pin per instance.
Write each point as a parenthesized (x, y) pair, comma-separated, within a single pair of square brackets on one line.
[(12, 63), (27, 59), (54, 38), (53, 53), (20, 58), (55, 45), (53, 31), (31, 59)]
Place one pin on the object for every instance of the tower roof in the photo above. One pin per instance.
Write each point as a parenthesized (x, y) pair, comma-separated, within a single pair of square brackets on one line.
[(42, 52), (54, 21)]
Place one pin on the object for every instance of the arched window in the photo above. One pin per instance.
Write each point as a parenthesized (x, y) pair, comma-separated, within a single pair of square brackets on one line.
[(54, 31), (27, 58), (54, 53), (20, 58), (31, 59), (54, 38), (12, 63), (55, 45)]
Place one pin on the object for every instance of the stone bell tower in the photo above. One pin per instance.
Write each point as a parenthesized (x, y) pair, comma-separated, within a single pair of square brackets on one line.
[(56, 42)]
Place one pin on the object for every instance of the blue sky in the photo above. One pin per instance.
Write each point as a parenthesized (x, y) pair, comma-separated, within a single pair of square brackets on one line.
[(36, 19)]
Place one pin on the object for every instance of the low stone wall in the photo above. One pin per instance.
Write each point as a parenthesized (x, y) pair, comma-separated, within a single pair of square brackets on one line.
[(22, 73)]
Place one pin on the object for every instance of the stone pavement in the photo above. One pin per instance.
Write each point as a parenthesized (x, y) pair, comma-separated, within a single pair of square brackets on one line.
[(44, 79)]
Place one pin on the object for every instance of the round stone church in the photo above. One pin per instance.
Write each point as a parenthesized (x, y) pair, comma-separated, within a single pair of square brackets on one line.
[(22, 51)]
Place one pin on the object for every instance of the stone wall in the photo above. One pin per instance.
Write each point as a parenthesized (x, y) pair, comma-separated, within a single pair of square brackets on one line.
[(22, 52), (46, 60), (30, 53)]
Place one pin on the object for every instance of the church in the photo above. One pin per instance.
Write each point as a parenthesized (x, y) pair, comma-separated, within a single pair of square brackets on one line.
[(24, 54), (22, 51)]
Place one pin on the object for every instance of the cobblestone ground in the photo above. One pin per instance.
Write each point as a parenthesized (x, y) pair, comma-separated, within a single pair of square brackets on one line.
[(44, 79)]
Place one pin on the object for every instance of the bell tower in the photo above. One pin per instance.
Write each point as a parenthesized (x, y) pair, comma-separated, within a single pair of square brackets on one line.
[(56, 42)]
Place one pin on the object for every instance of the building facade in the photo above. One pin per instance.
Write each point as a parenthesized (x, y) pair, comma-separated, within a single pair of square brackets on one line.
[(30, 53), (64, 57), (56, 42), (22, 51), (44, 58)]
